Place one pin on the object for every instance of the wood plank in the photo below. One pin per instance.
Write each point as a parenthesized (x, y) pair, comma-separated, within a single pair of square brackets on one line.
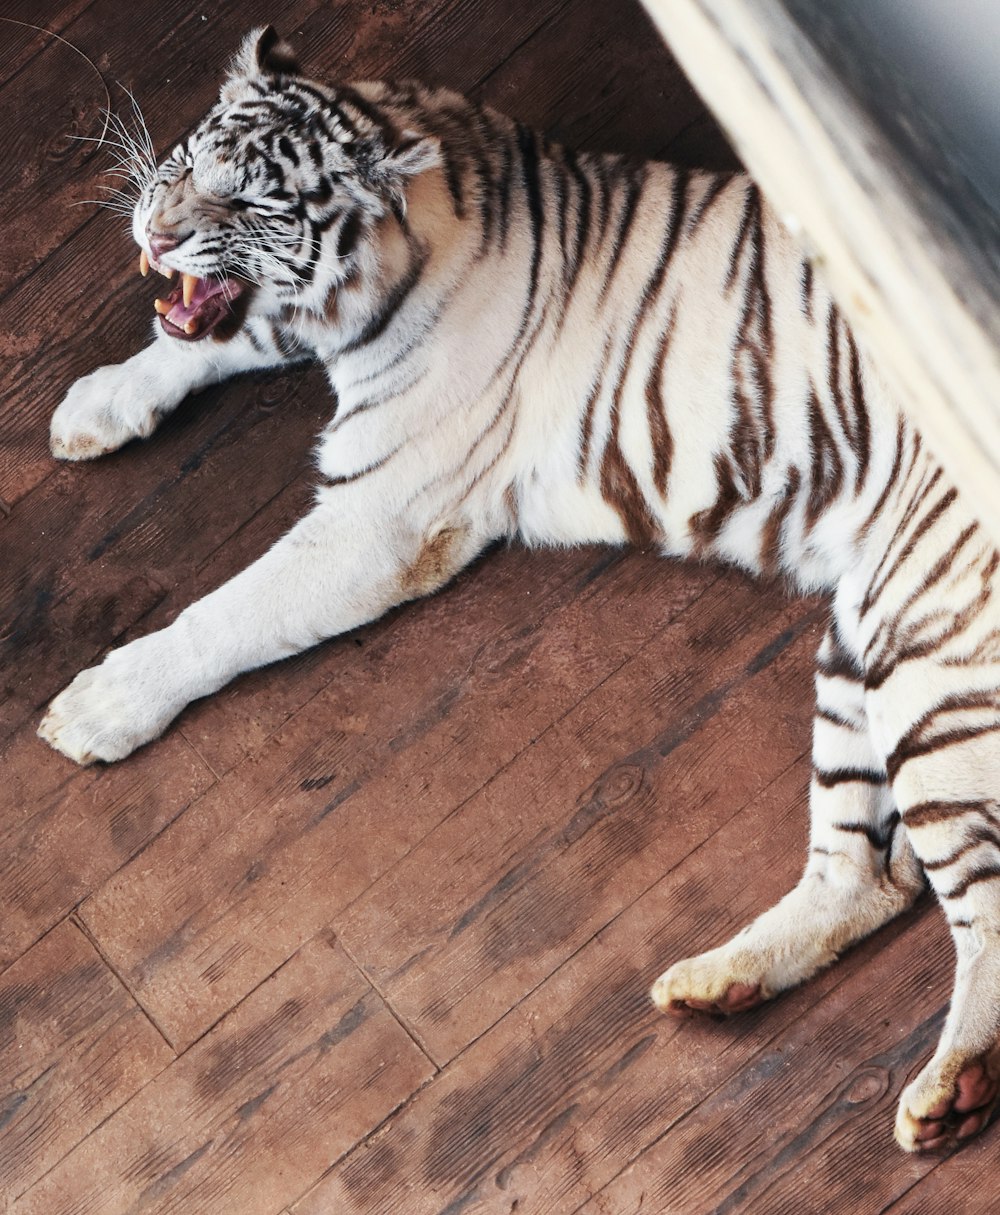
[(962, 1182), (606, 801), (579, 1079), (254, 1112), (455, 43), (74, 1047), (807, 1124), (63, 829), (597, 76), (23, 44), (884, 241), (46, 101), (364, 771)]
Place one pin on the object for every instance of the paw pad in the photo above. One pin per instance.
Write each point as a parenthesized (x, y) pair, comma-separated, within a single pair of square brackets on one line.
[(737, 998), (961, 1115)]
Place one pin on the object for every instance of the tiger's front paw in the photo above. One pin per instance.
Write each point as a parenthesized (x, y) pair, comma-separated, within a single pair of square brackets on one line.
[(708, 984), (110, 710), (104, 410)]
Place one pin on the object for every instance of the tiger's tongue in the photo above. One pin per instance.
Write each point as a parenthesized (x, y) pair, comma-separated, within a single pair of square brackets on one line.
[(207, 304), (204, 289)]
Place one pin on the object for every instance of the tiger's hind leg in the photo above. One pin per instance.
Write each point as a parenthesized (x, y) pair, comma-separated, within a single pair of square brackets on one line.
[(942, 731), (945, 766), (929, 633), (861, 871)]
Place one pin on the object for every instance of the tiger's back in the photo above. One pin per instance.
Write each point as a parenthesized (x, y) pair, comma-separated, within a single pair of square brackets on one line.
[(655, 360)]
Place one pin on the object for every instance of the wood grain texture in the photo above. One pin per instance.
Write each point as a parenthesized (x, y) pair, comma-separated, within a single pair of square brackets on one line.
[(360, 775), (579, 825), (74, 1047), (515, 801), (63, 830), (582, 1080), (222, 1129), (963, 1182)]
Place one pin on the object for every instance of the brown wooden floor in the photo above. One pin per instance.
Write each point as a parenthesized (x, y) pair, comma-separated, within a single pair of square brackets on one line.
[(371, 931)]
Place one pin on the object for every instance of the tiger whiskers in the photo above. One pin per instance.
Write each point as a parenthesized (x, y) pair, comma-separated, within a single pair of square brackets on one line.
[(147, 140), (258, 263), (129, 145), (116, 197)]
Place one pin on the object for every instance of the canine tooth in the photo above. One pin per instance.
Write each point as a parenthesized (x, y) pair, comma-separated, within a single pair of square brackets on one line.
[(161, 306), (190, 282), (144, 263), (191, 326)]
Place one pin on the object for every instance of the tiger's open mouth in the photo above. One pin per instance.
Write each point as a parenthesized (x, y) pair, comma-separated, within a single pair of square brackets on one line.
[(196, 306)]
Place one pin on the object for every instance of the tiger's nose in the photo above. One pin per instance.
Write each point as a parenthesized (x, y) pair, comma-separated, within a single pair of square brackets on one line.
[(160, 243)]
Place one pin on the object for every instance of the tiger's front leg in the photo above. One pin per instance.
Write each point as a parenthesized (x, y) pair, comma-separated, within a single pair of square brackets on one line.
[(123, 401), (344, 564), (861, 870)]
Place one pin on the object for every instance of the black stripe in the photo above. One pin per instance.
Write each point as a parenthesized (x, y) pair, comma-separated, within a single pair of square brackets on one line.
[(378, 324), (984, 873), (503, 189), (893, 633), (882, 576), (924, 814), (835, 660), (980, 834), (350, 478), (862, 422), (891, 480), (921, 739), (660, 438), (836, 718), (704, 204), (807, 288), (587, 425), (634, 183), (843, 776), (751, 206), (583, 204), (881, 840), (532, 187)]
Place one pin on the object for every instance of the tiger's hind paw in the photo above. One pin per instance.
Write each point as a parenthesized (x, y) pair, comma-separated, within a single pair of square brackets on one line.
[(935, 1114)]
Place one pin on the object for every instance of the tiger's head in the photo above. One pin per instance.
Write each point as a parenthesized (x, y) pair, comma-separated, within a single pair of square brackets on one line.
[(272, 194)]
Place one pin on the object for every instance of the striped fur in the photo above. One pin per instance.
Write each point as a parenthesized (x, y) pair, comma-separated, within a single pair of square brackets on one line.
[(567, 347)]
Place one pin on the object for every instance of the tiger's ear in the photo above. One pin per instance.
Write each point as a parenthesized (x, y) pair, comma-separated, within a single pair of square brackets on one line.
[(412, 155), (262, 53), (389, 170)]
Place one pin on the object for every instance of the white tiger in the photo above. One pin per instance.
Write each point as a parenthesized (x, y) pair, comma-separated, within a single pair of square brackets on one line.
[(572, 348)]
